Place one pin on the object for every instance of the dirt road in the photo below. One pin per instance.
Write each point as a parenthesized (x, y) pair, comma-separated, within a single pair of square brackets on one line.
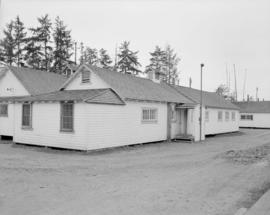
[(161, 178)]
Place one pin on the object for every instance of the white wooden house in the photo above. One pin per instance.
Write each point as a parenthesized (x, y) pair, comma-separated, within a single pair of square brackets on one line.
[(17, 82), (97, 108), (254, 114), (219, 115)]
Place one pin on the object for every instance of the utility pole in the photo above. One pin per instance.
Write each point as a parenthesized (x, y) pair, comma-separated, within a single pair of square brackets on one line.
[(202, 65), (75, 52), (235, 82), (115, 57), (244, 87)]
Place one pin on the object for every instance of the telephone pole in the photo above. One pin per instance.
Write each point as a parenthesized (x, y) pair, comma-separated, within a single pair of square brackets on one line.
[(202, 65)]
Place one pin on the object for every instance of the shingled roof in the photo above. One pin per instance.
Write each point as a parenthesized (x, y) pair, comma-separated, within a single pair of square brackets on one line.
[(254, 106), (36, 81), (210, 99), (103, 96), (136, 88)]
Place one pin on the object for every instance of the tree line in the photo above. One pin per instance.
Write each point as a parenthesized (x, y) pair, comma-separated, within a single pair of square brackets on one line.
[(49, 47)]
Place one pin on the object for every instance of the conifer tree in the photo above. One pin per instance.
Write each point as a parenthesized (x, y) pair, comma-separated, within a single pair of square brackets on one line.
[(33, 55), (157, 63), (8, 44), (90, 56), (128, 60), (104, 59), (42, 38), (63, 45), (20, 39), (171, 63)]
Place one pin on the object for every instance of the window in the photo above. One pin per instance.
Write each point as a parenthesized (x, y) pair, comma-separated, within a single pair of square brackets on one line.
[(220, 116), (227, 116), (67, 116), (85, 76), (246, 117), (149, 115), (27, 115), (206, 116), (4, 110), (233, 116)]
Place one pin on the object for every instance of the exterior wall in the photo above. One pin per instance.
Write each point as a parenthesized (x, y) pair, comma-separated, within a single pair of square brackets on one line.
[(95, 82), (196, 121), (7, 123), (214, 126), (110, 126), (10, 86), (260, 120), (96, 126), (46, 127)]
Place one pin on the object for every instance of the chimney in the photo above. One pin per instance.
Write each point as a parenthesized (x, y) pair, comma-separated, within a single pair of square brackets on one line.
[(190, 82), (155, 77)]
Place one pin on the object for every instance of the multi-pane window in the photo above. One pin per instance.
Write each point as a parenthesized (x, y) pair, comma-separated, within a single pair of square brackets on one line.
[(149, 115), (246, 117), (27, 115), (233, 116), (206, 116), (220, 115), (227, 116), (67, 116), (3, 110), (85, 76)]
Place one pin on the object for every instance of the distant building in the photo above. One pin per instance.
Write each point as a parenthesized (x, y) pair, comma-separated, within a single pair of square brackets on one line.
[(254, 114)]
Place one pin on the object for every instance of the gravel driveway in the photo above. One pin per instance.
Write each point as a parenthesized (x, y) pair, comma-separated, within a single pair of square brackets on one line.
[(161, 178)]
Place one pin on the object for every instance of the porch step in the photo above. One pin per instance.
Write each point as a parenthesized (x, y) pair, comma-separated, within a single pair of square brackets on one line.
[(185, 137)]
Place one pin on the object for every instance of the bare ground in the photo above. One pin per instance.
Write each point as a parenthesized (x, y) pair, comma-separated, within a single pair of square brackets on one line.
[(213, 177)]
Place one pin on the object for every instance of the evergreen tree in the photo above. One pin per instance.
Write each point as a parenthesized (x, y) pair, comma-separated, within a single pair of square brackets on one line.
[(90, 56), (42, 38), (20, 38), (171, 64), (157, 62), (128, 60), (104, 59), (8, 44), (63, 45), (33, 55)]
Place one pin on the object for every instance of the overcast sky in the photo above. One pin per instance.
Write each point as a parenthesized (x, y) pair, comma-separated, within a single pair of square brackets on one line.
[(214, 32)]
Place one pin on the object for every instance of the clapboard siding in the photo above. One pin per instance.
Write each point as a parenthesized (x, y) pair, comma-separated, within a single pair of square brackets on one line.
[(46, 127), (7, 122), (260, 120), (95, 83), (96, 126), (214, 126), (10, 86)]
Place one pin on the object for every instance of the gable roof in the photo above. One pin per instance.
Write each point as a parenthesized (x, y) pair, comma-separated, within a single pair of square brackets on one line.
[(209, 99), (103, 96), (36, 81), (254, 106), (130, 87)]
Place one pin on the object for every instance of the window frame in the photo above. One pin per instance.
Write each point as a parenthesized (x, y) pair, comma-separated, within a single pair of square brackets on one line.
[(4, 114), (30, 126), (83, 79), (62, 129), (149, 120), (220, 119), (248, 117)]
